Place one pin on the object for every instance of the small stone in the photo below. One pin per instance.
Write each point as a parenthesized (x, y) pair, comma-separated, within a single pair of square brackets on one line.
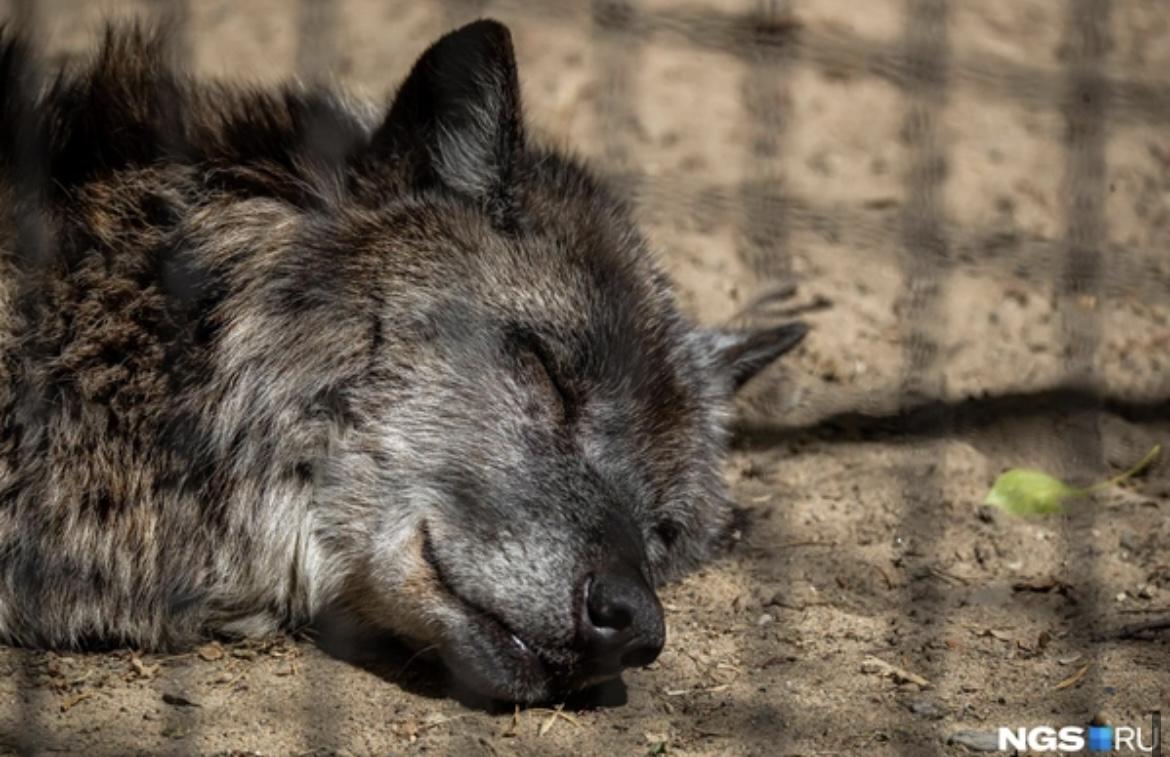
[(925, 708), (764, 619), (976, 741), (174, 732), (210, 652)]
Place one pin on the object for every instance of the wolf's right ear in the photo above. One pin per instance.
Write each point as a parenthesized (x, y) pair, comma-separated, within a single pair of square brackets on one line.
[(456, 120), (743, 354)]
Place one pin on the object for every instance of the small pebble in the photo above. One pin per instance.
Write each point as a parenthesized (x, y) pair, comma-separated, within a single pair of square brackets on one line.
[(924, 708), (976, 741), (764, 620)]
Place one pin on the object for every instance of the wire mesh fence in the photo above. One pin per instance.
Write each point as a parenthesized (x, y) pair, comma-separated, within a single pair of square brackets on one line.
[(977, 229)]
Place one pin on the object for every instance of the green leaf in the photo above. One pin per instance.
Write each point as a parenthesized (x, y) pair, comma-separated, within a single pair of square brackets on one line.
[(1029, 493)]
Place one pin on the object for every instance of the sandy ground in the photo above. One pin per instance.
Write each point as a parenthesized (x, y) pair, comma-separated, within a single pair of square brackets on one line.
[(923, 197)]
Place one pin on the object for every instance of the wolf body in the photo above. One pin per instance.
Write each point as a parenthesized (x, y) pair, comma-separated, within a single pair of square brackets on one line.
[(267, 354)]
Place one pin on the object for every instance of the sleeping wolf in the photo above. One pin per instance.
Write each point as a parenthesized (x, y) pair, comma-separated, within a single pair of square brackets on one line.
[(267, 354)]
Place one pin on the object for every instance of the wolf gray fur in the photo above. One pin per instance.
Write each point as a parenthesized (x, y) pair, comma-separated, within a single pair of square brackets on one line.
[(267, 354)]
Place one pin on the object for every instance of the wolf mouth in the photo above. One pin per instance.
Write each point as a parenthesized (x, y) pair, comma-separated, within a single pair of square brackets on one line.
[(507, 641)]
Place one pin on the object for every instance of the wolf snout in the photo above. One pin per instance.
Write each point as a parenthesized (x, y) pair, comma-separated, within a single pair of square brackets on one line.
[(621, 624)]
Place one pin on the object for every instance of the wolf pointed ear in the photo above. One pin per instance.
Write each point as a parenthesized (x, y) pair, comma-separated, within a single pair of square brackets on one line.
[(457, 117), (743, 354)]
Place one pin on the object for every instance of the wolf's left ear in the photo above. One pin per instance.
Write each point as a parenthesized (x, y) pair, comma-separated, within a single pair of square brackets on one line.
[(457, 118), (743, 354)]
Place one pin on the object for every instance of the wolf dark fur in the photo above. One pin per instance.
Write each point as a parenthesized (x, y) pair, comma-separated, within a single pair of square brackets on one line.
[(267, 354)]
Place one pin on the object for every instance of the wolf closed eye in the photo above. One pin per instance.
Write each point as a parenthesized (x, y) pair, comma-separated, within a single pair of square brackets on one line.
[(271, 355)]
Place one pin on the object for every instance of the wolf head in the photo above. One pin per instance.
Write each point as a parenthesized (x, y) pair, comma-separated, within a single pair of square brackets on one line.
[(536, 440)]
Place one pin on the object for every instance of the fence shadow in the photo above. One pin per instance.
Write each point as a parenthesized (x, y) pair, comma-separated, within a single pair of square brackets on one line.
[(934, 418)]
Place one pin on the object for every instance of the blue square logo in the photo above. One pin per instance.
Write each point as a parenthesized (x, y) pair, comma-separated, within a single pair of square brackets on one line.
[(1100, 738)]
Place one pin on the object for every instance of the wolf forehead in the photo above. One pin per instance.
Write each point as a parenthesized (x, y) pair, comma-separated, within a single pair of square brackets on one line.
[(445, 189)]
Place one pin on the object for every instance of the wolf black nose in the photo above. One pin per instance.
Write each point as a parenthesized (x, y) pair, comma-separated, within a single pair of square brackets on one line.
[(622, 626)]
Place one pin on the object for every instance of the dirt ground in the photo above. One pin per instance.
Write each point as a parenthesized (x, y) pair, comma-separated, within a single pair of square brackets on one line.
[(923, 195)]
